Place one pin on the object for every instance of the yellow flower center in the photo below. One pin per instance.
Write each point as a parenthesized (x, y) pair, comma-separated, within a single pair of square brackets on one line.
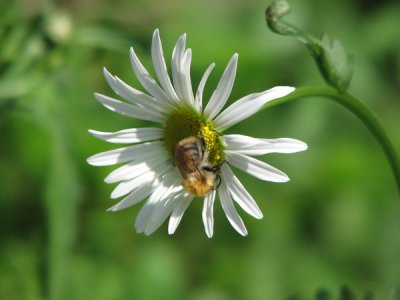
[(213, 142), (185, 122)]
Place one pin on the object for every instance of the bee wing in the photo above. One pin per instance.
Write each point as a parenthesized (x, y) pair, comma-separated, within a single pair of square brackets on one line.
[(185, 159)]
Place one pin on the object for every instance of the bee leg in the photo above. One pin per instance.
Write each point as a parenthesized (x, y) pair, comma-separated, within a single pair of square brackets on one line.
[(215, 169), (225, 161), (219, 181), (208, 169)]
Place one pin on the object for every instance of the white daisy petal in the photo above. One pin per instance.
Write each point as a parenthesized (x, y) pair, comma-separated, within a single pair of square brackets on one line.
[(152, 204), (124, 154), (253, 146), (129, 136), (166, 204), (162, 214), (177, 74), (208, 213), (285, 145), (256, 168), (177, 213), (111, 82), (239, 142), (249, 105), (142, 163), (144, 177), (133, 95), (138, 98), (224, 88), (187, 82), (129, 186), (152, 176), (146, 80), (160, 66), (129, 110), (145, 212), (133, 198), (239, 193), (230, 211), (199, 94), (174, 191)]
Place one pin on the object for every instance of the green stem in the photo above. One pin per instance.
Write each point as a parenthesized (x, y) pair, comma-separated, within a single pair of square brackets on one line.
[(359, 109)]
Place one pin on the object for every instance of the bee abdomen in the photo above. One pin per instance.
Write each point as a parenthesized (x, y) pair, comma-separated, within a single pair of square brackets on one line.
[(193, 150), (192, 147)]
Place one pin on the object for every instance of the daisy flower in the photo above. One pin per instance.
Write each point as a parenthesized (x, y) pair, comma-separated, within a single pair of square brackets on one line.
[(185, 156)]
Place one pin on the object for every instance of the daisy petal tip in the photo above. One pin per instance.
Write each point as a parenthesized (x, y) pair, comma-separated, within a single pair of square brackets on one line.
[(283, 178), (109, 77), (303, 146), (132, 53), (156, 38), (171, 230), (243, 233), (92, 160), (114, 195), (286, 90), (259, 216), (209, 232), (98, 96), (109, 180), (182, 40), (234, 60), (281, 91), (105, 71), (148, 232), (95, 133)]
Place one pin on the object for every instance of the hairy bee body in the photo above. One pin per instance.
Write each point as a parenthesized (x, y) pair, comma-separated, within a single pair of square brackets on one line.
[(191, 158)]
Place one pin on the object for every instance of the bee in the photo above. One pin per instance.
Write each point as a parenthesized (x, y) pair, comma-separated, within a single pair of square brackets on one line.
[(191, 158)]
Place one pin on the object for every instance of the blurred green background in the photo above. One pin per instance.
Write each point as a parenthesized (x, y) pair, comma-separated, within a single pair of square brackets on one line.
[(335, 223)]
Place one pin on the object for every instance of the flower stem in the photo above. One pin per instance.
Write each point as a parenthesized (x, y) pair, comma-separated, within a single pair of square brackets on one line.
[(360, 110)]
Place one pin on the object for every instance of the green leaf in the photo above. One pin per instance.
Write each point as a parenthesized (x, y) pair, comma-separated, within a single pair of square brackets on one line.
[(334, 63)]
